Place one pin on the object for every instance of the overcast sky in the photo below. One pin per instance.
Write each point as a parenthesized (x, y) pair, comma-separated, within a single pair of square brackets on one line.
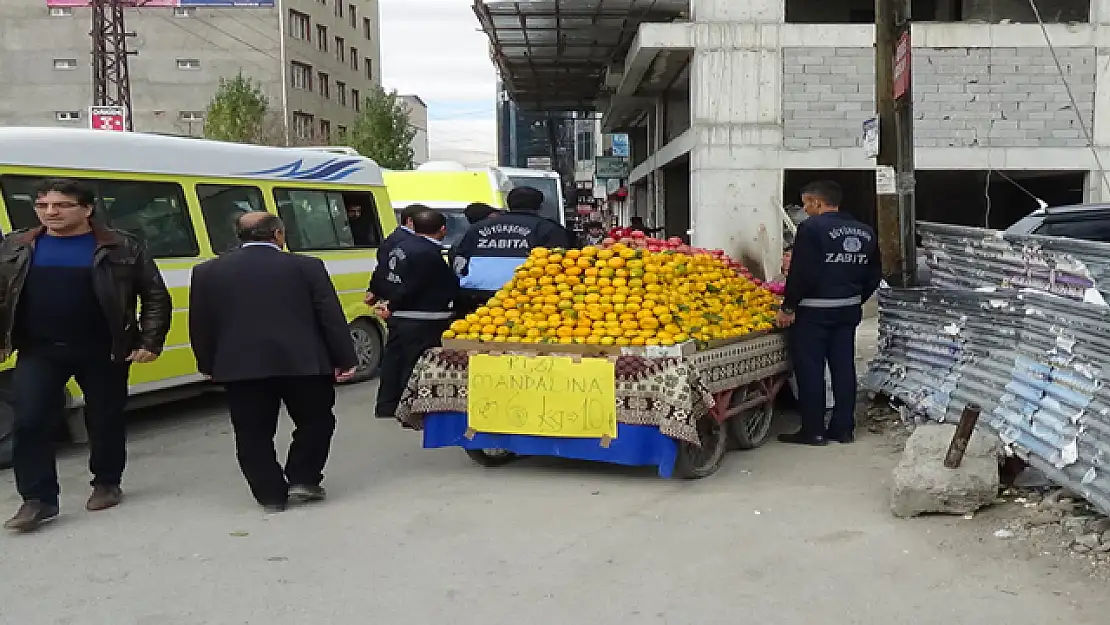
[(435, 49)]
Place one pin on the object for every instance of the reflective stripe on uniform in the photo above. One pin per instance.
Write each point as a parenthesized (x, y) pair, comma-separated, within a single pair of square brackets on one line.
[(421, 315), (820, 302), (490, 273)]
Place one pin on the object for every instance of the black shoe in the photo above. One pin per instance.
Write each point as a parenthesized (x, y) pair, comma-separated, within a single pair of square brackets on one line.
[(799, 438), (104, 497), (303, 493), (843, 439), (273, 508), (31, 515)]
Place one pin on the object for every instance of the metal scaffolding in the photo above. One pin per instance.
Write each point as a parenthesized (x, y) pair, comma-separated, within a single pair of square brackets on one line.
[(111, 78), (554, 54)]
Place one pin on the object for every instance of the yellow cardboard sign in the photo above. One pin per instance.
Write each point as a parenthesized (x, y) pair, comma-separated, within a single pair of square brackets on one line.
[(542, 396)]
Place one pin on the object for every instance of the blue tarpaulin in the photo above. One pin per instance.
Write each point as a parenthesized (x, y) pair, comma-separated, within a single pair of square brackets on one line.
[(635, 445)]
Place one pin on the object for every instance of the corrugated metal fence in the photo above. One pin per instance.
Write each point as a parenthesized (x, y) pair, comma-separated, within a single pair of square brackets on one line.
[(1033, 361)]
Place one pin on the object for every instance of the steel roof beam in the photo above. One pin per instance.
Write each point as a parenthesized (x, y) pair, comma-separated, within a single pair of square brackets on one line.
[(535, 43)]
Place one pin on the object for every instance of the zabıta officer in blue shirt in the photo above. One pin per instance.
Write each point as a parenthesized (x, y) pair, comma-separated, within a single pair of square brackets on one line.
[(70, 295), (834, 270)]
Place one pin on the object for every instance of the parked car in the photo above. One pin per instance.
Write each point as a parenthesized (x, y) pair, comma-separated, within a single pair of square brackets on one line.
[(1090, 222)]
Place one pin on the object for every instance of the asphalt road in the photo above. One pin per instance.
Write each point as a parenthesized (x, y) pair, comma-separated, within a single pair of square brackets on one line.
[(780, 536)]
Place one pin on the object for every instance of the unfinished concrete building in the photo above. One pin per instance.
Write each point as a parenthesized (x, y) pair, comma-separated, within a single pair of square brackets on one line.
[(733, 106)]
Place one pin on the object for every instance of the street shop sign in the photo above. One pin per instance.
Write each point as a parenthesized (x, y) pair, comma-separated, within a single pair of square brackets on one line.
[(610, 167), (552, 396), (902, 66), (112, 118)]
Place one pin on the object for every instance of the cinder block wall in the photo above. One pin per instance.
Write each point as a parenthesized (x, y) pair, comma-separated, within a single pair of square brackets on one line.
[(963, 97)]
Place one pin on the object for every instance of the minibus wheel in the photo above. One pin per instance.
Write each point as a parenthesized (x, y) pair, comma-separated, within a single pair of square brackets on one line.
[(367, 337)]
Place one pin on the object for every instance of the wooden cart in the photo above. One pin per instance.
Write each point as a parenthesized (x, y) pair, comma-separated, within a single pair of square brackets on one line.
[(739, 379)]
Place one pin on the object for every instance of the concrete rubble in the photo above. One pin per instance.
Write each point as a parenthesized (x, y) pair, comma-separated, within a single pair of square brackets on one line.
[(922, 484)]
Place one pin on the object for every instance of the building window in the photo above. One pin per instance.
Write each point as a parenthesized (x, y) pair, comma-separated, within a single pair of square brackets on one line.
[(356, 99), (191, 116), (325, 85), (221, 206), (369, 67), (302, 126), (188, 63), (65, 63), (67, 116), (341, 87), (340, 49), (326, 220), (153, 212), (325, 130), (367, 28), (322, 37), (301, 76), (339, 8), (354, 58), (585, 141), (300, 25), (341, 131), (351, 15), (61, 12), (184, 11)]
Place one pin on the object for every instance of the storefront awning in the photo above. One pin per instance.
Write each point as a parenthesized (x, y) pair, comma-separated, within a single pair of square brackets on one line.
[(554, 54)]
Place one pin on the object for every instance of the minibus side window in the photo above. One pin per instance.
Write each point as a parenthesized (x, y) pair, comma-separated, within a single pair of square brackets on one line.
[(153, 212), (328, 220), (222, 205), (19, 197), (362, 215)]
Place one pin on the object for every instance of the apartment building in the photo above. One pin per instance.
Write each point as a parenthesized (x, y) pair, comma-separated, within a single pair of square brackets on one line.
[(313, 58), (418, 119)]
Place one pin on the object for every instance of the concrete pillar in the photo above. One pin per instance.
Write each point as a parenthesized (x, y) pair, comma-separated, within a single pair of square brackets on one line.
[(656, 217), (736, 115), (1097, 190)]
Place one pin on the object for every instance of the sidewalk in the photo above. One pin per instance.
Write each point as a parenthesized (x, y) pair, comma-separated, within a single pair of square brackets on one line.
[(867, 342)]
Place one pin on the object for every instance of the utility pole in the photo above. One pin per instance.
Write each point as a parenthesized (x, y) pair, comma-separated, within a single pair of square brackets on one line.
[(895, 173), (111, 78)]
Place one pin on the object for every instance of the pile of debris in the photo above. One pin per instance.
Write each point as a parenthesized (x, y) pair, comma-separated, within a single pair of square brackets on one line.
[(1053, 522), (1017, 502)]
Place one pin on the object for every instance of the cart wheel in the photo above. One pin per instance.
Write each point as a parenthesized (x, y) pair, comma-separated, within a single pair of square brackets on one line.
[(492, 457), (695, 462), (751, 428)]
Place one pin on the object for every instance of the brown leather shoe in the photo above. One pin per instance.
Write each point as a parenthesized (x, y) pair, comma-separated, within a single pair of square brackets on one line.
[(104, 497), (31, 515)]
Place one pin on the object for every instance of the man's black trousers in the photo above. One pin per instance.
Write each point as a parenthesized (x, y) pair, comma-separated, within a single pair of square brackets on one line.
[(821, 335), (408, 340), (255, 406), (38, 396)]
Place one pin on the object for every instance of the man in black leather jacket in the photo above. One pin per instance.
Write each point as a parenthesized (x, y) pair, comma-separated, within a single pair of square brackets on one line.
[(69, 295)]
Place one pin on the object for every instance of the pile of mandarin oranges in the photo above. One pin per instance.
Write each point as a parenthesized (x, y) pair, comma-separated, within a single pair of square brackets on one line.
[(621, 295)]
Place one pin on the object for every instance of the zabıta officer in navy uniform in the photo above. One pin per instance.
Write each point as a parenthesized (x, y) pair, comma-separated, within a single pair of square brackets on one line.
[(417, 303), (376, 290), (834, 270), (493, 248)]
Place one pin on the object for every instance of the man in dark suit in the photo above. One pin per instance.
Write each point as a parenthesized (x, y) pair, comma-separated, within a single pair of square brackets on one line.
[(269, 327)]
